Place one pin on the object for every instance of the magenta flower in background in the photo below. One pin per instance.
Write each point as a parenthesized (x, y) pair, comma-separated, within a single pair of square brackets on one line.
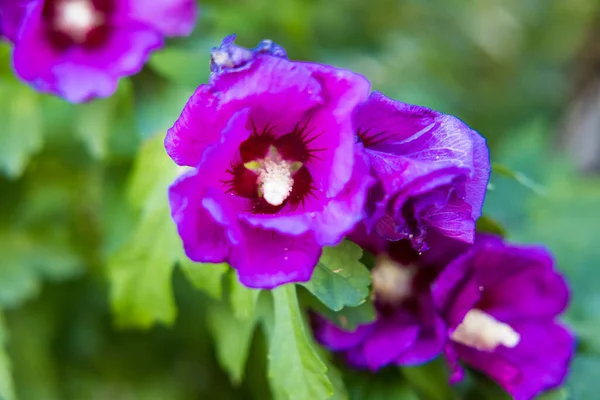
[(11, 13), (408, 329), (491, 305), (277, 171), (500, 303), (432, 171), (78, 49)]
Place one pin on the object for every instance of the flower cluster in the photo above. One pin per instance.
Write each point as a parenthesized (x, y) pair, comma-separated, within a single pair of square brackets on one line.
[(491, 305), (432, 171), (286, 157), (290, 156), (78, 49)]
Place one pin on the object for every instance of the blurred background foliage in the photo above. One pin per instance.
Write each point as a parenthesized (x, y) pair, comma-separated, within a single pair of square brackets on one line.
[(92, 307)]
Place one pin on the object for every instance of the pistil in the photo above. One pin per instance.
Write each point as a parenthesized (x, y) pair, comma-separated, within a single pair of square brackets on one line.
[(275, 176)]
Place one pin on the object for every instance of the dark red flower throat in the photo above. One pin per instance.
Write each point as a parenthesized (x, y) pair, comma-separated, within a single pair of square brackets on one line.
[(272, 172), (84, 23)]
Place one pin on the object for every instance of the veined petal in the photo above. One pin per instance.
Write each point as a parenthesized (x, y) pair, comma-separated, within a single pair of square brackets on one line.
[(433, 170)]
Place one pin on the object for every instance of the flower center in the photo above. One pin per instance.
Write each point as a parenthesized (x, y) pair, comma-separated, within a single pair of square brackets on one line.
[(76, 18), (484, 332), (392, 282), (275, 181), (82, 23), (272, 172)]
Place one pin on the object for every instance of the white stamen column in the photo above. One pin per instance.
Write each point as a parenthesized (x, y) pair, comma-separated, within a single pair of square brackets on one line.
[(275, 176)]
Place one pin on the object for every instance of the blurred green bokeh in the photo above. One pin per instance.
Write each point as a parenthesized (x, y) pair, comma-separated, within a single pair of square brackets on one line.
[(72, 192)]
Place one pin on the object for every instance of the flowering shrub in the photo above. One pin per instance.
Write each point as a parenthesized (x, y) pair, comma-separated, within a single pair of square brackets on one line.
[(464, 306), (289, 157), (182, 219)]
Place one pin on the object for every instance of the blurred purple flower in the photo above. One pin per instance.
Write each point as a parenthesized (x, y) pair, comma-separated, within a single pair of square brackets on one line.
[(492, 305), (277, 173), (11, 13), (432, 171), (500, 303), (78, 49), (408, 329)]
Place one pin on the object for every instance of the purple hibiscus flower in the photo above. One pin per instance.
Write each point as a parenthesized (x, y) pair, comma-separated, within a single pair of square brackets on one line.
[(408, 329), (78, 49), (432, 171), (11, 12), (500, 303), (277, 173)]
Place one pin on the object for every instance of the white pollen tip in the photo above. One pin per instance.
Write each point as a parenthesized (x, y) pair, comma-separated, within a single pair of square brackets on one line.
[(510, 337), (275, 193), (483, 332), (276, 182)]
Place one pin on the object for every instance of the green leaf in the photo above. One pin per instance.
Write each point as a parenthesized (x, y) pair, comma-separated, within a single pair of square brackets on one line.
[(34, 328), (557, 394), (27, 258), (17, 283), (265, 313), (386, 384), (152, 174), (6, 382), (582, 382), (429, 379), (340, 279), (521, 178), (335, 377), (158, 102), (489, 225), (188, 67), (232, 338), (5, 59), (140, 272), (348, 317), (478, 386), (93, 123), (242, 299), (295, 369), (566, 222), (205, 277), (21, 128)]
